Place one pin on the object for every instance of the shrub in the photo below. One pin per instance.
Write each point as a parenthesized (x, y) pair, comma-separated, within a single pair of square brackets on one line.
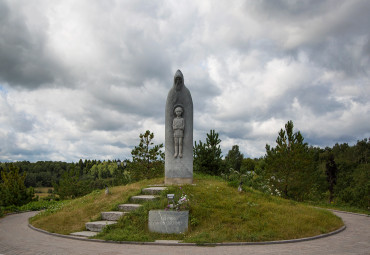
[(12, 188)]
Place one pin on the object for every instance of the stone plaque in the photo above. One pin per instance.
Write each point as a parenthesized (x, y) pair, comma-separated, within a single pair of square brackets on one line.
[(168, 222)]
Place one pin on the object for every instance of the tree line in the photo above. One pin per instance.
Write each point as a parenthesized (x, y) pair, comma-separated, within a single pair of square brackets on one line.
[(294, 170), (72, 180), (291, 169)]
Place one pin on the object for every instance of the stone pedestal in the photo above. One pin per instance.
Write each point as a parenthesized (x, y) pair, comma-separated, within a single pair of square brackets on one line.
[(168, 222), (177, 181)]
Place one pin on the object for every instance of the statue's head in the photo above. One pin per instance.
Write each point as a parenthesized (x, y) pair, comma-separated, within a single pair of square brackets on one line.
[(178, 111), (178, 80)]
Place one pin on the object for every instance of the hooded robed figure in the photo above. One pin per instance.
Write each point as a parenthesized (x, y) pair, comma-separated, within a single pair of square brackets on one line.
[(179, 133)]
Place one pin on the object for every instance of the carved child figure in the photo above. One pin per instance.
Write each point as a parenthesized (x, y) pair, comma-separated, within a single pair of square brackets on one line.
[(178, 131)]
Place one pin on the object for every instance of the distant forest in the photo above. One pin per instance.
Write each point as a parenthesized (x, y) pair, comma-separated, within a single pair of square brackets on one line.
[(45, 173), (291, 170)]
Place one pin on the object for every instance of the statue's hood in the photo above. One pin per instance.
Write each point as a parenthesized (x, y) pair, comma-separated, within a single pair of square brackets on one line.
[(178, 74)]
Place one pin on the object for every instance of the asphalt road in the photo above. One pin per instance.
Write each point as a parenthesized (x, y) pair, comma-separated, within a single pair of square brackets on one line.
[(17, 238)]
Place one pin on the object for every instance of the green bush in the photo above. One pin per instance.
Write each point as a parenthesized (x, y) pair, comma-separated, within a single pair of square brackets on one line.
[(71, 185), (137, 171), (38, 205), (12, 188), (31, 206), (208, 155)]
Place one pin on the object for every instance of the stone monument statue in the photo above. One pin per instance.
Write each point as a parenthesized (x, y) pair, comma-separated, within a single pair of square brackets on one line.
[(179, 133)]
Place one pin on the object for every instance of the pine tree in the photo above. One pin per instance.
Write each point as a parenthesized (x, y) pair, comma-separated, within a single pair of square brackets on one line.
[(289, 164), (208, 156), (148, 156), (12, 188), (234, 158), (331, 174), (70, 184)]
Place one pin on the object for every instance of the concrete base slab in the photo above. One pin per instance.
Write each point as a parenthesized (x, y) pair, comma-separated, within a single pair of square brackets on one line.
[(84, 233)]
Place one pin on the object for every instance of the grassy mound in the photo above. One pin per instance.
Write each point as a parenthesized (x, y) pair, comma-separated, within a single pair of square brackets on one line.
[(72, 215), (218, 213)]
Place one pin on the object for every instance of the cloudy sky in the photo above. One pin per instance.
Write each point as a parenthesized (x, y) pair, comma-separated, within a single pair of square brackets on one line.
[(82, 79)]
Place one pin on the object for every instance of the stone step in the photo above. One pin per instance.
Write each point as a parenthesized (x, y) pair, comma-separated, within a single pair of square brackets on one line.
[(157, 185), (153, 190), (143, 198), (128, 207), (112, 215), (84, 233), (98, 226)]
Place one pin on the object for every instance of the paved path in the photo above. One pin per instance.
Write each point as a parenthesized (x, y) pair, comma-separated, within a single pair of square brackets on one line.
[(17, 238)]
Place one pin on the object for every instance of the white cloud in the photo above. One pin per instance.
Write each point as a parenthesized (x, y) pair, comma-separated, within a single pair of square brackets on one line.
[(83, 79)]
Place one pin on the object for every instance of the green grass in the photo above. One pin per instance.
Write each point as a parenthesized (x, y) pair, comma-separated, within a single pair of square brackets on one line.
[(31, 206), (218, 213), (73, 214), (339, 207)]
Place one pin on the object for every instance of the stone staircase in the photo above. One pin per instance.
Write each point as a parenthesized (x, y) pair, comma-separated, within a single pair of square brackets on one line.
[(110, 218)]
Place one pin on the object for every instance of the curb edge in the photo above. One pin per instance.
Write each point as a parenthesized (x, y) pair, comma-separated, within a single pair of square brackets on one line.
[(193, 244)]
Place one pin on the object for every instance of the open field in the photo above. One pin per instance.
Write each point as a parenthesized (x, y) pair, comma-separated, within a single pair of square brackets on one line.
[(43, 191)]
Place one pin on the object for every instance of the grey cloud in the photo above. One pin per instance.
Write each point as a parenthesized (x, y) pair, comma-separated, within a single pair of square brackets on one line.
[(148, 58), (142, 60), (120, 144), (23, 60), (22, 122), (98, 119), (322, 142), (134, 48), (202, 93), (282, 9), (12, 151), (319, 99), (339, 55), (19, 121), (135, 102), (236, 130), (315, 98), (131, 55), (353, 19), (333, 34)]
